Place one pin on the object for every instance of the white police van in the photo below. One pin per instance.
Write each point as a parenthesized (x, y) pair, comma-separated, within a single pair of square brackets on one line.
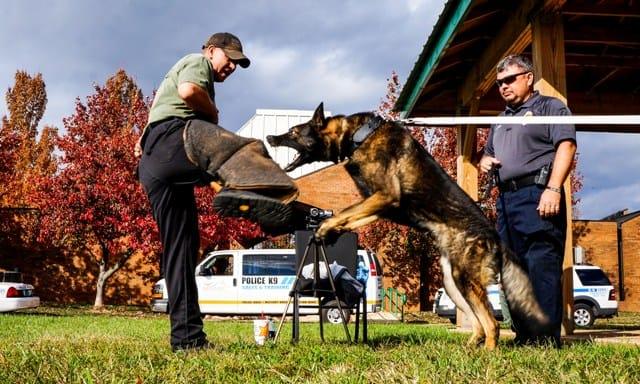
[(258, 281), (593, 297)]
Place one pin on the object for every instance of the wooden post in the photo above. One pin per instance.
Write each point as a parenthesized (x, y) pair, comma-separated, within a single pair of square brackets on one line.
[(549, 65), (467, 174)]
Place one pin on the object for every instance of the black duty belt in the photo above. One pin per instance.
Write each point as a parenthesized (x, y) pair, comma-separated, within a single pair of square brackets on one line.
[(517, 183)]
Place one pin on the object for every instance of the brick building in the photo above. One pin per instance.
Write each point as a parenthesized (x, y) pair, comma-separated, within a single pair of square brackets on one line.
[(613, 243)]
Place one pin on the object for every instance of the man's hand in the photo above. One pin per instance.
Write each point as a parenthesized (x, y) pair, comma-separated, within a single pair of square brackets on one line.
[(137, 149), (488, 162), (549, 203)]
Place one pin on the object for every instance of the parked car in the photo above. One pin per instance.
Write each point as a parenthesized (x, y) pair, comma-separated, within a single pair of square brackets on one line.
[(593, 297), (444, 307), (258, 281), (14, 294)]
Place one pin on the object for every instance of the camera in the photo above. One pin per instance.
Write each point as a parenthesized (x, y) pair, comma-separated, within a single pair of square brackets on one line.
[(316, 216)]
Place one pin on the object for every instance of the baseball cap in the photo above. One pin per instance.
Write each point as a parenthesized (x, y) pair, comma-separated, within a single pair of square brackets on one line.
[(231, 46)]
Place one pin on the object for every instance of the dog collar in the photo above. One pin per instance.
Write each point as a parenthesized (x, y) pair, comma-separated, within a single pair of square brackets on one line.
[(364, 131)]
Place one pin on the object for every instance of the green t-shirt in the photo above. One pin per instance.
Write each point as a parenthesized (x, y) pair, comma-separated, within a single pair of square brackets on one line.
[(193, 68)]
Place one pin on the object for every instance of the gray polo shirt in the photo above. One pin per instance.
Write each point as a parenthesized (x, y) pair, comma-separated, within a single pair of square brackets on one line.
[(523, 149)]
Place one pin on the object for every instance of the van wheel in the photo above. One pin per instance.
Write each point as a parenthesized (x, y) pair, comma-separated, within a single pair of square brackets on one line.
[(332, 315), (583, 315)]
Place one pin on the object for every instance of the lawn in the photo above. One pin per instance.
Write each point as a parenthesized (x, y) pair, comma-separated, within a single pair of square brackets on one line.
[(130, 346)]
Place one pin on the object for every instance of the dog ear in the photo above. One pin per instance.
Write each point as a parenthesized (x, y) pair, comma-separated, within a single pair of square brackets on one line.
[(318, 115)]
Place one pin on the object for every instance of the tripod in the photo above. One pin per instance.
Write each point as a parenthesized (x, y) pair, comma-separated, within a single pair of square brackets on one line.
[(319, 252)]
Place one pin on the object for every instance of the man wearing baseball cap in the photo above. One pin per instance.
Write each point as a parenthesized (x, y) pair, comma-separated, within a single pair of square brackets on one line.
[(168, 176)]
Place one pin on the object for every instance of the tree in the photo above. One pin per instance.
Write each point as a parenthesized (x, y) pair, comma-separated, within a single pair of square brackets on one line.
[(22, 156), (408, 250), (405, 250), (26, 103), (94, 201), (9, 143)]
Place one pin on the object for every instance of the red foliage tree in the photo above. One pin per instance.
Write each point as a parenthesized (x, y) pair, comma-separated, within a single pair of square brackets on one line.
[(22, 157), (404, 250), (26, 103), (406, 246), (95, 203), (9, 143)]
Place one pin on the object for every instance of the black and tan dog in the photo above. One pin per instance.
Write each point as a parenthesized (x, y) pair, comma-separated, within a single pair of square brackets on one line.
[(403, 183)]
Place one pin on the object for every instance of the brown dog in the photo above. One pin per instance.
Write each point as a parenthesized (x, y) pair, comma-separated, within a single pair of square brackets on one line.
[(402, 182)]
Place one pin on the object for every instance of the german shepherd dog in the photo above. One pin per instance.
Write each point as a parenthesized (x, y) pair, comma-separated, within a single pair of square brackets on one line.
[(403, 183)]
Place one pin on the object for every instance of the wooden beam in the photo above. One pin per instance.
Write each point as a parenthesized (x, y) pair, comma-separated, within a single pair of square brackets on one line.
[(548, 62), (630, 9), (513, 37), (594, 34), (467, 174), (602, 61), (602, 80), (460, 44)]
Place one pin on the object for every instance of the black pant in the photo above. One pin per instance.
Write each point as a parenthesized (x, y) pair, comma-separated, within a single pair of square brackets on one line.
[(168, 179), (538, 244)]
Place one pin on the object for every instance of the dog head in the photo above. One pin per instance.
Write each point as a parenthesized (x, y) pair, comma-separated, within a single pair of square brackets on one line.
[(307, 139)]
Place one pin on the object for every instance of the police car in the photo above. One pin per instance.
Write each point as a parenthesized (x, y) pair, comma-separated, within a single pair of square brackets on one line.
[(14, 294), (593, 297)]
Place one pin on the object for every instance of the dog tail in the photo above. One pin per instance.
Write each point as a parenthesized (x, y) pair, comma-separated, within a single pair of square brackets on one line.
[(519, 293)]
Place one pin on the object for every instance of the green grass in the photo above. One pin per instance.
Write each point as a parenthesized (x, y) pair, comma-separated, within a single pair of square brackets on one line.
[(130, 346)]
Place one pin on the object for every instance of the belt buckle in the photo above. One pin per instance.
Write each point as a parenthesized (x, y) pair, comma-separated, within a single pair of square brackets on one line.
[(513, 186)]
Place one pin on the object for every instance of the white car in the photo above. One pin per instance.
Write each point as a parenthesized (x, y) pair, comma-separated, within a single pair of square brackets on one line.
[(593, 297), (14, 294), (444, 307)]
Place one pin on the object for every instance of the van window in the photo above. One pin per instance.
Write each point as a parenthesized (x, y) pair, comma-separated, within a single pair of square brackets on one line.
[(592, 277), (220, 265), (272, 265)]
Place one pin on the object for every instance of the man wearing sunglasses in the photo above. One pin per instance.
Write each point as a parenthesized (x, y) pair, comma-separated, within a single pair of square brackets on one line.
[(168, 177), (531, 163)]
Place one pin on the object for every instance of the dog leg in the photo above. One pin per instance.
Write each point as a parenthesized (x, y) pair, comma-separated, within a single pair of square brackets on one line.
[(356, 216), (476, 295), (477, 337), (475, 289)]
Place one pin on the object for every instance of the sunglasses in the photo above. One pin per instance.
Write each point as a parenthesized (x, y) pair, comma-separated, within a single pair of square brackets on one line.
[(509, 79)]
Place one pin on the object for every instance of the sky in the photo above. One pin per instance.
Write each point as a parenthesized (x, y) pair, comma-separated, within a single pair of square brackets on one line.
[(302, 52)]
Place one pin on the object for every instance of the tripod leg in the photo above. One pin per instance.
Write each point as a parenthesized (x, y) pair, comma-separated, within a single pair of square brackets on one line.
[(333, 288), (284, 314), (355, 337), (293, 295), (364, 314), (296, 318), (321, 319)]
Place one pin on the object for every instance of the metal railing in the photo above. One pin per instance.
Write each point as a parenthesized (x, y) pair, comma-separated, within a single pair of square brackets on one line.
[(393, 301)]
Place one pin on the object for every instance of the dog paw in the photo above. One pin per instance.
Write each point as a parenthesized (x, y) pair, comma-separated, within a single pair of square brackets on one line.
[(322, 232), (326, 228)]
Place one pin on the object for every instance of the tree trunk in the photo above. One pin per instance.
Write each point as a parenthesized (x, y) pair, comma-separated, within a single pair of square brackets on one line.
[(99, 302), (105, 273)]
